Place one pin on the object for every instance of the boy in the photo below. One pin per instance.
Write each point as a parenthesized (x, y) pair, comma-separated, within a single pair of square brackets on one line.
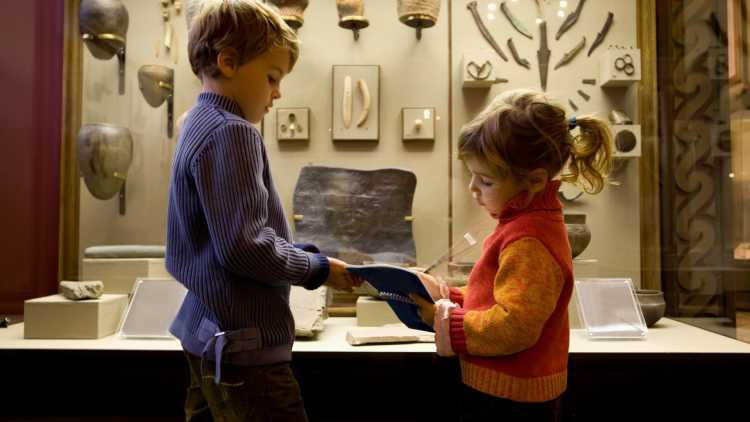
[(227, 237)]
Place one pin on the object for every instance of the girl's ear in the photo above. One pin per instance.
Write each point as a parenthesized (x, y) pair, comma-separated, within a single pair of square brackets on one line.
[(537, 180), (227, 61)]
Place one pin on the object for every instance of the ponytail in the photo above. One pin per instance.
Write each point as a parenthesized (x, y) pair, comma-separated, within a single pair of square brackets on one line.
[(590, 155)]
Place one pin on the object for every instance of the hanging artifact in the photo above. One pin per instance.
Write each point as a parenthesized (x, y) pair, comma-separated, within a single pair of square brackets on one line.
[(291, 11), (543, 55), (352, 15), (169, 35), (570, 20), (516, 56), (104, 155), (515, 21), (157, 85), (472, 6), (418, 14), (570, 55), (103, 25), (603, 33)]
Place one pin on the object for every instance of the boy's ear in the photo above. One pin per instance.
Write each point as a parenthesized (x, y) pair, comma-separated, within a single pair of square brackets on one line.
[(227, 61), (537, 180)]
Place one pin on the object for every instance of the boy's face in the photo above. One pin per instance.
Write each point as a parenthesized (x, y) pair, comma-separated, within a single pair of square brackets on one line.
[(257, 83), (490, 190)]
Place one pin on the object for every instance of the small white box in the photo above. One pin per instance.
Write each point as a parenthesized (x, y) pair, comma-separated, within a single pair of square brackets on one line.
[(119, 275), (293, 124), (373, 312), (418, 123), (55, 317), (620, 67), (627, 140)]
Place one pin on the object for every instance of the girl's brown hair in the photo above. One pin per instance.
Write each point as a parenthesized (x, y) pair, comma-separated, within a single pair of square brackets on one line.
[(523, 130), (248, 26)]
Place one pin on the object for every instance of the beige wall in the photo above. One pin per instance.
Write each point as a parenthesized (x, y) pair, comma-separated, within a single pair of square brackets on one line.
[(413, 73)]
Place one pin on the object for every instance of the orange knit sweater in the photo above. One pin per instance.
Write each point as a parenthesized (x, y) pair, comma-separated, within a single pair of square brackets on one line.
[(511, 332)]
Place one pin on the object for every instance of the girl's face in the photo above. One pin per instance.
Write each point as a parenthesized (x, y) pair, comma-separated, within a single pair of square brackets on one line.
[(490, 191)]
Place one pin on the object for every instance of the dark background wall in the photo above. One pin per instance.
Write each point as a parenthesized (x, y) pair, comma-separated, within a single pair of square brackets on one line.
[(31, 54)]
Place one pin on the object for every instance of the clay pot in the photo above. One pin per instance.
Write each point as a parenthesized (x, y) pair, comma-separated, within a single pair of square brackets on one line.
[(579, 235), (104, 154), (291, 11), (652, 304)]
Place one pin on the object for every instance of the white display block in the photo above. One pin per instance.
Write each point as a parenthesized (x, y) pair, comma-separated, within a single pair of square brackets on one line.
[(373, 312), (418, 123), (627, 140), (119, 275), (55, 317)]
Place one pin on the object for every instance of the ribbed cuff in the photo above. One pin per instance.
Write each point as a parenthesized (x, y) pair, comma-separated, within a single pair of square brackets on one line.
[(456, 296), (458, 335), (319, 269)]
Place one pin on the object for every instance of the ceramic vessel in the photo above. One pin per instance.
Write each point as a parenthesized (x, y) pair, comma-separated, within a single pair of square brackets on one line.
[(652, 304), (579, 234)]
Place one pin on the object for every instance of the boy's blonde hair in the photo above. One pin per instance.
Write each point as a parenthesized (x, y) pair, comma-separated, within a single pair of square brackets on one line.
[(248, 26), (524, 130)]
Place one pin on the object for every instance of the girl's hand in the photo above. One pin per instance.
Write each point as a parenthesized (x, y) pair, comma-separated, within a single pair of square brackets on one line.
[(426, 309), (434, 286)]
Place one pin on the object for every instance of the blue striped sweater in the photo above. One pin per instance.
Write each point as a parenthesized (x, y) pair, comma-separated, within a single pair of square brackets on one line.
[(228, 240)]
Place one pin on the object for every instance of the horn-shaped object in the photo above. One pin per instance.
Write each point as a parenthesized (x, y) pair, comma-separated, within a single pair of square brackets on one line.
[(419, 14), (291, 11), (157, 85), (103, 25), (104, 154), (352, 15)]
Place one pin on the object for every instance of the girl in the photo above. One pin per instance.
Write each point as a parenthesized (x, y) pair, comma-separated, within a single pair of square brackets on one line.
[(509, 325)]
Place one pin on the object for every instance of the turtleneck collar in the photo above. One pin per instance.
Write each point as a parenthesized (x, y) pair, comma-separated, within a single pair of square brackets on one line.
[(546, 200), (220, 101)]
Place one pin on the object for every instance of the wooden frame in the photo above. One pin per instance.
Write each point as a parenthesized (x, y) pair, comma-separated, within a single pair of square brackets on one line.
[(737, 32), (71, 121), (649, 163)]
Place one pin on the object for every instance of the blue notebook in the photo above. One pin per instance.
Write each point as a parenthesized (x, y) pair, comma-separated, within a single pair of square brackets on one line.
[(394, 284)]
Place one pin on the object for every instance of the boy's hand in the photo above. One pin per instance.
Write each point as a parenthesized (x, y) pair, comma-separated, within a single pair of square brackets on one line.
[(426, 309), (339, 278)]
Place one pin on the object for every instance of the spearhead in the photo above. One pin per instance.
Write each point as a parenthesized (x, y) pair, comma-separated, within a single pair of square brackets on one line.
[(543, 55)]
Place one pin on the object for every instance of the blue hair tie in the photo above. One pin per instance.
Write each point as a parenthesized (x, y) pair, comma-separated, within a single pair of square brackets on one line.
[(572, 123)]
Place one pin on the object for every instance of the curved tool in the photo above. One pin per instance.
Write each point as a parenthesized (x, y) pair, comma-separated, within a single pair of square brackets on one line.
[(570, 20), (515, 22), (472, 6), (477, 72), (570, 55), (603, 33), (516, 56), (365, 93)]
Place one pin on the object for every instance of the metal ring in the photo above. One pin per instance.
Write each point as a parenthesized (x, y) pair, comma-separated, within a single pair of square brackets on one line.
[(620, 63)]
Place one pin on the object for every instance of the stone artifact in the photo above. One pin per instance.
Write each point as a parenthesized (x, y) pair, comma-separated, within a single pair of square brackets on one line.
[(418, 14), (652, 304), (543, 55), (157, 85), (397, 333), (291, 11), (472, 6), (617, 117), (357, 215), (570, 55), (125, 251), (308, 309), (579, 235), (104, 155), (346, 102), (570, 20), (516, 56), (515, 21), (352, 15), (79, 290), (103, 25), (603, 33)]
